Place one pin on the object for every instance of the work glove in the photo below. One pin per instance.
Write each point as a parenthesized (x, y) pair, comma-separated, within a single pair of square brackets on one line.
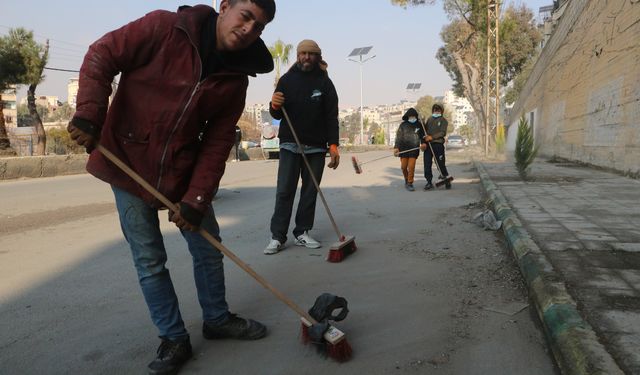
[(335, 156), (423, 146), (187, 217), (277, 100), (396, 152), (84, 133)]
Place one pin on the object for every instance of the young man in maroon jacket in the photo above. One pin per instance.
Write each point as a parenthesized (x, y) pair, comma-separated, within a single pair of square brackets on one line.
[(172, 120)]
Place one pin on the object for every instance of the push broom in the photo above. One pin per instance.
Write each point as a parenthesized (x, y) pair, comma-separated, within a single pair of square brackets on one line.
[(346, 244), (444, 179), (335, 344), (357, 166)]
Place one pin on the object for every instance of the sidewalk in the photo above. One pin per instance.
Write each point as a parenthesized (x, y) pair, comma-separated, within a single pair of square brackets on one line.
[(575, 232)]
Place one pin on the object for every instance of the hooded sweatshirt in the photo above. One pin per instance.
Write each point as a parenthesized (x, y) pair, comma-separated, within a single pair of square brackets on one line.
[(408, 135), (312, 104)]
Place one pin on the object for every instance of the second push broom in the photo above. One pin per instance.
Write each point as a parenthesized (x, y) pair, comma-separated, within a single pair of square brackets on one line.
[(346, 245)]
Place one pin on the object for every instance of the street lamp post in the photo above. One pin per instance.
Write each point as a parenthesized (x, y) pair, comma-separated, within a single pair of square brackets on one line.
[(360, 52), (414, 87)]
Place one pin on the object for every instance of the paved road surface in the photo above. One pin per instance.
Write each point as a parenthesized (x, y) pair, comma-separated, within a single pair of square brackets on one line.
[(429, 291)]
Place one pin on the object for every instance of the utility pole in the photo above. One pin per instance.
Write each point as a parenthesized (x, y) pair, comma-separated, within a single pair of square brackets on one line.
[(492, 74)]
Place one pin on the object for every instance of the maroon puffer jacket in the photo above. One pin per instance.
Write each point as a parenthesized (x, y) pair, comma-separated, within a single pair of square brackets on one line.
[(172, 129)]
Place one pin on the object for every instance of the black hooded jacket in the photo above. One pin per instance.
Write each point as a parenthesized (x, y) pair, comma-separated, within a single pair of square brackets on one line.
[(312, 104), (408, 135)]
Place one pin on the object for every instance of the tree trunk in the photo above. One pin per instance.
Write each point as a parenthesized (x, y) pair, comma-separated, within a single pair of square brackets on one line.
[(470, 80), (42, 136), (5, 145)]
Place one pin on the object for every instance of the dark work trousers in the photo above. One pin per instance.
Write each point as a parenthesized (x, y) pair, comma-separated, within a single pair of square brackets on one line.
[(290, 168), (237, 145), (438, 149)]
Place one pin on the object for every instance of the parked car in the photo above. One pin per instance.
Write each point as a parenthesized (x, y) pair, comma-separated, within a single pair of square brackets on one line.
[(455, 142), (249, 144)]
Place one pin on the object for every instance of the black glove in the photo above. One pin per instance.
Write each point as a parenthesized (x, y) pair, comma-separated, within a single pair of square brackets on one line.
[(191, 215)]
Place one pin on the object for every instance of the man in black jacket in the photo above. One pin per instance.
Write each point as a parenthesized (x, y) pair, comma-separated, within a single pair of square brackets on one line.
[(312, 105)]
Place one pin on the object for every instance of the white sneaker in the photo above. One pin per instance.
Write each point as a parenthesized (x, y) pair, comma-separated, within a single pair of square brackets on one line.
[(305, 240), (273, 247)]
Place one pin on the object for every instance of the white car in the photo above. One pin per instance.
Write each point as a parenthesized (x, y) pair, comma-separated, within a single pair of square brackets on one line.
[(455, 141)]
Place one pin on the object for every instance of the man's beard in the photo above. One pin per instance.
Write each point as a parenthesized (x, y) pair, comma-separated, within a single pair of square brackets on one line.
[(305, 67)]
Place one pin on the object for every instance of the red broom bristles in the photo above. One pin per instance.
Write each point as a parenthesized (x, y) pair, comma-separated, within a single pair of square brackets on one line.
[(337, 255), (339, 352), (356, 165)]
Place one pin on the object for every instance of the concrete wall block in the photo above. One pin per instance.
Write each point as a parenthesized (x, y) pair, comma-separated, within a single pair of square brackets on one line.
[(23, 167), (42, 166), (3, 168), (58, 165)]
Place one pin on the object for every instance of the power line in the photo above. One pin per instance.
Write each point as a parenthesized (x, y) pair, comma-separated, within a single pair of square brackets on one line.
[(62, 70), (46, 37)]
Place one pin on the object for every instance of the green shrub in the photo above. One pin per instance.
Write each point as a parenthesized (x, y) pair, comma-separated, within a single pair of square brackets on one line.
[(526, 149), (59, 142), (500, 139)]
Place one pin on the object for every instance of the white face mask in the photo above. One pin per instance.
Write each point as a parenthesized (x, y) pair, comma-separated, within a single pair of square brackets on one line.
[(412, 120)]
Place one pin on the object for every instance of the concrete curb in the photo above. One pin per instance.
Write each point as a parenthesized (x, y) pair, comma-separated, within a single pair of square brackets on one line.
[(573, 341), (42, 166), (12, 168)]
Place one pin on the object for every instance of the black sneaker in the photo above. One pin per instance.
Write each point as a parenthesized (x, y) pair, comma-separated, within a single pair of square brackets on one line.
[(428, 186), (171, 356), (235, 328), (410, 187)]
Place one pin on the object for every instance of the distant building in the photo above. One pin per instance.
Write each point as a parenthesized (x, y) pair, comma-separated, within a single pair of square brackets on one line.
[(462, 112), (72, 91), (51, 103), (259, 113), (10, 108), (548, 17)]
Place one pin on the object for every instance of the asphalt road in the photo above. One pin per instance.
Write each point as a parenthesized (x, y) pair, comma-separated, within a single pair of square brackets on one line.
[(429, 291)]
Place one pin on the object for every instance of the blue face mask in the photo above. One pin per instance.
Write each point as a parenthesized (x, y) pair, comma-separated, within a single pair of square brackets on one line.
[(436, 115), (413, 120)]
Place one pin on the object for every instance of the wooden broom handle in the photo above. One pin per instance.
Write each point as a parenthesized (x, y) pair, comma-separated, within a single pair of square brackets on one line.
[(313, 177), (171, 206)]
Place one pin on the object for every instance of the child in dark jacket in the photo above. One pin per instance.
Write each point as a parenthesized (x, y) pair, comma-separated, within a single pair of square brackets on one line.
[(407, 146)]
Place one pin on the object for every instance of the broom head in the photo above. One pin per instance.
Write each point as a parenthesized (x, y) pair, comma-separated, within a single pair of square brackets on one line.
[(334, 344), (356, 165), (443, 181), (342, 249)]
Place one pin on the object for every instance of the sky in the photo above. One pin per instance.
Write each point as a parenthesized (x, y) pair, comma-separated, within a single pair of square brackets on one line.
[(405, 41)]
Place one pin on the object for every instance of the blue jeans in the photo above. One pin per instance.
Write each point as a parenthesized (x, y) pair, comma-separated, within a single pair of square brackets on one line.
[(141, 228), (291, 168)]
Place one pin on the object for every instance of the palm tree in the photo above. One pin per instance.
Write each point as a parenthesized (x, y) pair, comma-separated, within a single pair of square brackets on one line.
[(280, 52)]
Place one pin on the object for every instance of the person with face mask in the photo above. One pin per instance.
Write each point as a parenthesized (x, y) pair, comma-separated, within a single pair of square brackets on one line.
[(407, 145), (312, 105), (436, 127)]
